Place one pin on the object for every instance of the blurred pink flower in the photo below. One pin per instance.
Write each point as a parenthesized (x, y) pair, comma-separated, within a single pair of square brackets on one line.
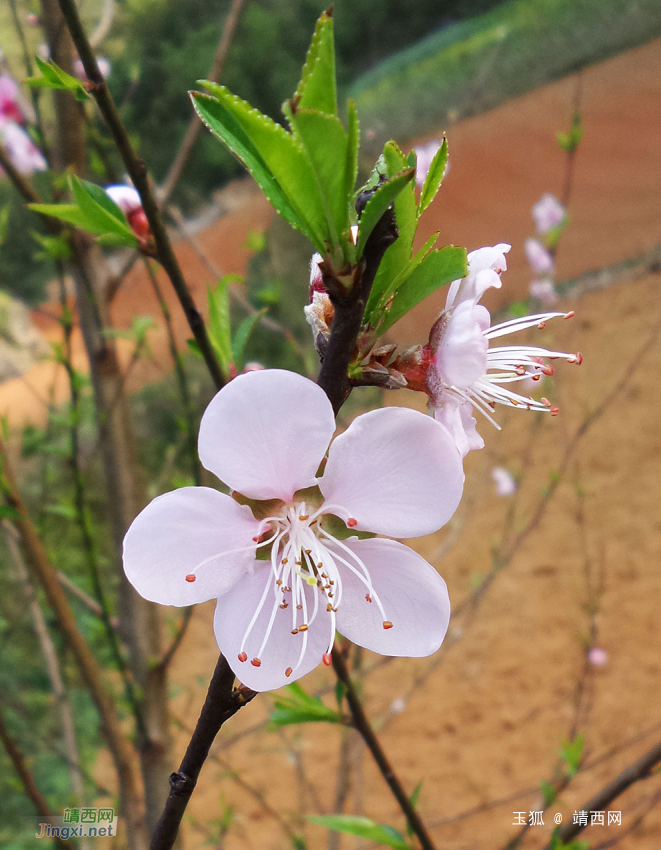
[(597, 656), (541, 260), (547, 213), (543, 290), (101, 61), (21, 150), (10, 100), (463, 372), (287, 574), (504, 481)]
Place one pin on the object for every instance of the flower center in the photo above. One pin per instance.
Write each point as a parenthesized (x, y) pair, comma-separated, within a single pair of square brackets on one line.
[(305, 555)]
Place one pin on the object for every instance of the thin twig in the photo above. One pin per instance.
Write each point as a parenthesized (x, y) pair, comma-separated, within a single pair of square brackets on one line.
[(140, 177), (362, 725)]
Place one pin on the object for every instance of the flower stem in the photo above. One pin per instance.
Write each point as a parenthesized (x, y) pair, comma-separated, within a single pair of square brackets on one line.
[(363, 726), (221, 703)]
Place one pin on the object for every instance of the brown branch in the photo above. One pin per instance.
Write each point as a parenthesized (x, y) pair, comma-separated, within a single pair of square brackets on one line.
[(222, 702), (217, 66), (362, 725), (141, 180), (640, 769), (44, 572), (27, 781)]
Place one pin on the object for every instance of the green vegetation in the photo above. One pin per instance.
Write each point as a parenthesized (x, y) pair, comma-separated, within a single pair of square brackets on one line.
[(474, 65)]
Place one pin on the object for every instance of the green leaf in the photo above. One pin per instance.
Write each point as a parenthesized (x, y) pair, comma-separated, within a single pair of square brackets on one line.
[(438, 268), (53, 77), (364, 828), (194, 347), (66, 511), (295, 705), (219, 324), (373, 316), (353, 144), (325, 143), (398, 254), (548, 792), (8, 512), (70, 213), (557, 843), (382, 198), (103, 214), (434, 177), (4, 224), (414, 803), (570, 753), (318, 88), (272, 156), (242, 334), (54, 247)]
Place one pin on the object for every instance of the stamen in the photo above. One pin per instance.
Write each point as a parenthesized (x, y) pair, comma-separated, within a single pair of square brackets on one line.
[(570, 314), (242, 656), (256, 662), (303, 628), (327, 658), (190, 577), (288, 672), (351, 522), (555, 411), (387, 624)]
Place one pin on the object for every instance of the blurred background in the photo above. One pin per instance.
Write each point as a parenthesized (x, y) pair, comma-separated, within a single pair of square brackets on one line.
[(548, 683)]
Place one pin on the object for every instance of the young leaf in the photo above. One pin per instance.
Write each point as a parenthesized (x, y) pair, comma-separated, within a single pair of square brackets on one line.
[(70, 213), (362, 827), (53, 77), (437, 269), (54, 247), (219, 324), (272, 156), (415, 796), (102, 212), (297, 706), (570, 753), (241, 336), (398, 254), (383, 197), (317, 88), (326, 146), (434, 177)]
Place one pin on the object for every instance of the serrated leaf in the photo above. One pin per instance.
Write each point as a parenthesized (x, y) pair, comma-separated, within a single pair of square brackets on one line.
[(242, 335), (53, 77), (362, 827), (271, 155), (398, 254), (318, 88), (372, 315), (219, 324), (434, 177), (325, 143), (384, 195), (437, 269)]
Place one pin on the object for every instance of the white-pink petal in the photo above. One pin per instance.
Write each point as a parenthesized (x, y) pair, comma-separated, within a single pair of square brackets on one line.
[(266, 432), (126, 197), (461, 357), (396, 472), (282, 651), (540, 259), (413, 595), (457, 417), (187, 532)]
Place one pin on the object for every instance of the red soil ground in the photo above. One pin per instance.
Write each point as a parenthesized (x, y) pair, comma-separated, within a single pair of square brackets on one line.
[(512, 683)]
